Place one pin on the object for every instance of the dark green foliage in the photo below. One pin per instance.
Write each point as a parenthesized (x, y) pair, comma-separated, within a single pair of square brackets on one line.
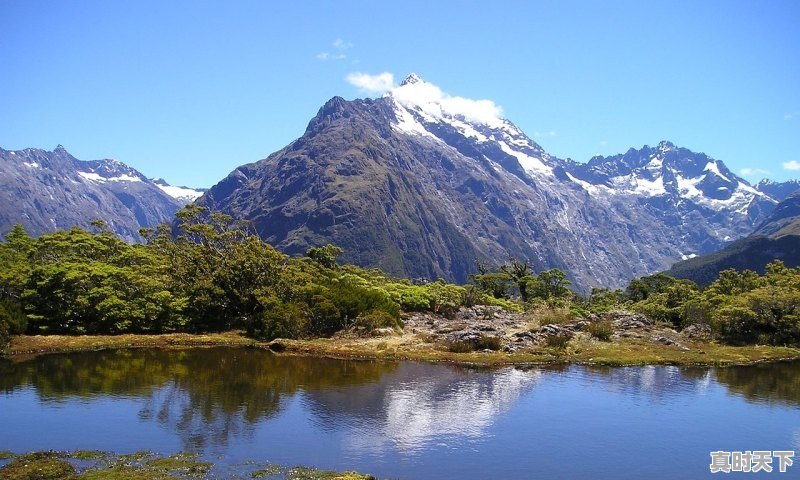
[(486, 342), (210, 273), (12, 317), (325, 256), (741, 307)]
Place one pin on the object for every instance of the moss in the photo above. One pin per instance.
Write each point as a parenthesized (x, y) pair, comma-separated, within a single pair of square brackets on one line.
[(38, 466), (123, 472), (5, 455), (305, 473), (87, 455), (269, 471), (183, 463)]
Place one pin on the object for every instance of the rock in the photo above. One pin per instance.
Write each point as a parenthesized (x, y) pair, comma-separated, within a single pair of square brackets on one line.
[(697, 331)]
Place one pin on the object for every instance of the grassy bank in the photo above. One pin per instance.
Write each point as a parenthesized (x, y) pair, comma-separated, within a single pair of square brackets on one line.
[(410, 346), (96, 465)]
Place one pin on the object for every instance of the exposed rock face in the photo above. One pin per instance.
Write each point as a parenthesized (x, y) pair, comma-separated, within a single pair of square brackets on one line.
[(422, 185), (777, 238), (45, 191)]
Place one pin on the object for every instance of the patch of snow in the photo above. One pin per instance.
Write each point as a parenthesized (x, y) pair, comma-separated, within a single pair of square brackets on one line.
[(13, 153), (31, 164), (687, 257), (530, 164), (180, 193), (406, 122), (124, 178), (467, 130), (714, 168), (591, 189), (92, 176), (634, 184)]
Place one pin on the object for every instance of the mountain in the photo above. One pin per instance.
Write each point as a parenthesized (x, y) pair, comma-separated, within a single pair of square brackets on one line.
[(423, 184), (778, 238), (778, 190), (45, 191)]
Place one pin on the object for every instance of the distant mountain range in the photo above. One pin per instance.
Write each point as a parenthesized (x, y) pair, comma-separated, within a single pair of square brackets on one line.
[(45, 191), (777, 238), (424, 185), (778, 190)]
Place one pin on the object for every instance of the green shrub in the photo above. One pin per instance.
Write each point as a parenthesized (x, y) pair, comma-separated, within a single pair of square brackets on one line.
[(376, 319), (281, 320), (601, 330), (554, 316), (12, 316), (503, 303)]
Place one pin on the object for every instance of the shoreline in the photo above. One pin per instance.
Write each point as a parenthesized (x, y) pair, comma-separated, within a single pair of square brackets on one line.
[(409, 347)]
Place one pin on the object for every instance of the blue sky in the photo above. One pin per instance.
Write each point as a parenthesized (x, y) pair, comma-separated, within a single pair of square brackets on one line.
[(188, 90)]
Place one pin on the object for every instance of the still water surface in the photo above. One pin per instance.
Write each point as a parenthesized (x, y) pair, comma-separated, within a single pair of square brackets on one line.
[(402, 420)]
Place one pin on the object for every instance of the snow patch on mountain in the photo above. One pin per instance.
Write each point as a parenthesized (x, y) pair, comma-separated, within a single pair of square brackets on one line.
[(181, 193)]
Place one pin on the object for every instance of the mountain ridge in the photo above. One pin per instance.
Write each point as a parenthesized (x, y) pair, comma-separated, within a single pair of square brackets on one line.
[(49, 190), (440, 182)]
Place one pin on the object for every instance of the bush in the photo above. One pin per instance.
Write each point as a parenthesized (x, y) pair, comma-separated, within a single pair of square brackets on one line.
[(554, 316), (376, 319), (280, 320), (486, 342), (5, 337), (461, 347), (13, 317), (558, 341), (601, 330)]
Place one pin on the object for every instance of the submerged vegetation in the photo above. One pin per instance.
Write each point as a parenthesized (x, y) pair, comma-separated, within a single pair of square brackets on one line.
[(209, 273)]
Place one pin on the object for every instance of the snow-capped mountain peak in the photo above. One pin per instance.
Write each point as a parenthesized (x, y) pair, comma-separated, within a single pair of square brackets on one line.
[(411, 78)]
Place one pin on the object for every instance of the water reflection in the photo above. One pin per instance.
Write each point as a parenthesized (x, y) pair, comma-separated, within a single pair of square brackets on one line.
[(764, 383), (417, 404), (209, 396), (205, 395)]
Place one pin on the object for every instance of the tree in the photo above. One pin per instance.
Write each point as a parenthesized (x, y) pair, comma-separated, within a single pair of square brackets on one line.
[(325, 255)]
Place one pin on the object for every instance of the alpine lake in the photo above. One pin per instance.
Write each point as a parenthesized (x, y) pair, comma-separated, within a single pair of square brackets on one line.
[(242, 408)]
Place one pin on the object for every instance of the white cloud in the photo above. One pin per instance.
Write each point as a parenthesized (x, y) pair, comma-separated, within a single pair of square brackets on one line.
[(433, 101), (753, 172), (340, 44), (325, 56), (792, 165), (371, 84), (604, 142), (551, 133), (791, 115)]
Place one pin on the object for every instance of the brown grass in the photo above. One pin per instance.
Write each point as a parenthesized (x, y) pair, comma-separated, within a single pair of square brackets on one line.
[(411, 346)]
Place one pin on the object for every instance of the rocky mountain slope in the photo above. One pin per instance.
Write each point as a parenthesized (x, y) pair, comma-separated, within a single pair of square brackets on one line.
[(778, 190), (45, 191), (422, 184), (777, 238)]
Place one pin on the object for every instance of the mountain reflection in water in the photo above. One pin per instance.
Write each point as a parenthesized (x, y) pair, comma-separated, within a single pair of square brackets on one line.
[(370, 415)]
